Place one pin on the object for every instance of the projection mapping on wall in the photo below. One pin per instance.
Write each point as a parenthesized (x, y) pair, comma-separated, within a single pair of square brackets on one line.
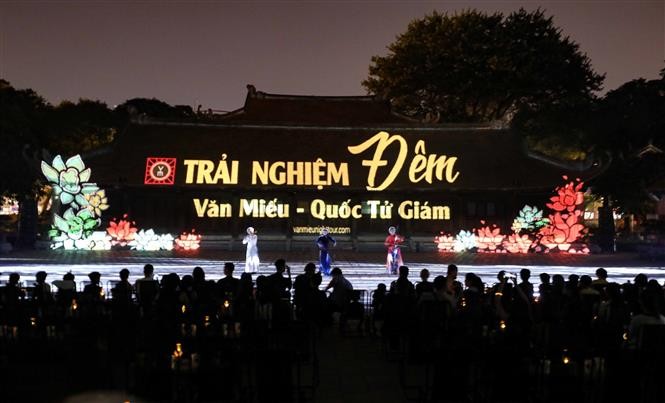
[(84, 203)]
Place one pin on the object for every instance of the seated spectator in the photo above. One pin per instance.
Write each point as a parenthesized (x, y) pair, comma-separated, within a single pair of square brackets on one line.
[(204, 292), (148, 276), (42, 291), (545, 285), (525, 285), (444, 292), (378, 301), (650, 316), (453, 287), (641, 281), (66, 289), (472, 303), (572, 286), (601, 279), (227, 286), (424, 286), (586, 288), (11, 293), (94, 292), (244, 299), (278, 287), (123, 290), (355, 311), (473, 294), (187, 296), (305, 291), (341, 290), (245, 287), (402, 286)]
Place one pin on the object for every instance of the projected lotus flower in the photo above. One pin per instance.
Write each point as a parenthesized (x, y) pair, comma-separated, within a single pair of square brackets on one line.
[(568, 197), (67, 231), (148, 240), (188, 241), (69, 180), (74, 225), (97, 202), (529, 219), (465, 240), (121, 232), (99, 240), (445, 242), (488, 239), (517, 243), (564, 230)]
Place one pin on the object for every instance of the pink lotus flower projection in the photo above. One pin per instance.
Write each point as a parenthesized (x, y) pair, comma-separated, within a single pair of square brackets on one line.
[(121, 232), (562, 232), (445, 243), (188, 241), (517, 243), (568, 197), (488, 239)]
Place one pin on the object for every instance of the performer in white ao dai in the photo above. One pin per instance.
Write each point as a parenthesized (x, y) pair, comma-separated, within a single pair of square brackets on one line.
[(252, 256)]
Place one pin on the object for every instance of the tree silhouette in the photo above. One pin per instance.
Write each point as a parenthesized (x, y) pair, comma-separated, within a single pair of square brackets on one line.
[(477, 67)]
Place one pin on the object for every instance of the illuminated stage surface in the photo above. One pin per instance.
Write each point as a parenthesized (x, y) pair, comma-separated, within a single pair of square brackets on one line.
[(364, 270)]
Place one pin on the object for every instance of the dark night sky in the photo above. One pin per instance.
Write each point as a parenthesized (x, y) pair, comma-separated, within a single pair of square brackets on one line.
[(206, 52)]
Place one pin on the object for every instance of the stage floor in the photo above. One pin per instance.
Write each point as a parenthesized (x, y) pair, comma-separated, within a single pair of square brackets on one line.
[(364, 270)]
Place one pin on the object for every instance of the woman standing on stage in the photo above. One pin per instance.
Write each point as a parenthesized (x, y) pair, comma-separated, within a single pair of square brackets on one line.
[(252, 255), (324, 242), (392, 242)]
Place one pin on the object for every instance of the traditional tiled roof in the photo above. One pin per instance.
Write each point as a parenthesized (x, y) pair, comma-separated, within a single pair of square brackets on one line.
[(261, 107)]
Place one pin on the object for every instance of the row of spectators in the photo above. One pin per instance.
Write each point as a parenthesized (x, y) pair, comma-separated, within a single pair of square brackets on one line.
[(578, 316), (576, 303)]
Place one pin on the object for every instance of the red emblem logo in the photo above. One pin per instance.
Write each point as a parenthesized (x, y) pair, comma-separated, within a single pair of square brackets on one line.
[(159, 171)]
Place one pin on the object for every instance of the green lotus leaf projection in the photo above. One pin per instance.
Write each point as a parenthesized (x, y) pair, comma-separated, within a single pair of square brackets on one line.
[(74, 225), (70, 180), (84, 203), (529, 219)]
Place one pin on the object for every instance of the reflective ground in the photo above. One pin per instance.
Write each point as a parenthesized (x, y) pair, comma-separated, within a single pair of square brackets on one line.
[(364, 270)]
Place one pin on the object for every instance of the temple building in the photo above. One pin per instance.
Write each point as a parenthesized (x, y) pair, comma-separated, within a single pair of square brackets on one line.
[(288, 165)]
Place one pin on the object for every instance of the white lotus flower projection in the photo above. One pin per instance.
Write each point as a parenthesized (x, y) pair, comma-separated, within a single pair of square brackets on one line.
[(465, 240), (147, 240)]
